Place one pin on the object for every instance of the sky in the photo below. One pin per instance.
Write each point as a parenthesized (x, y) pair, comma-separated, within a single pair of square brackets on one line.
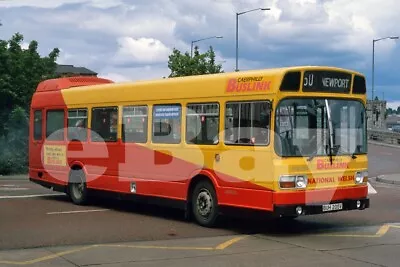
[(131, 39)]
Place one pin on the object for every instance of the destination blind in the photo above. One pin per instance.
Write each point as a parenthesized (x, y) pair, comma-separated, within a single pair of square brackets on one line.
[(326, 81)]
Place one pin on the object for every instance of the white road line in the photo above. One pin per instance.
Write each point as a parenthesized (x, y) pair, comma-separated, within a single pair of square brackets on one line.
[(30, 196), (5, 189), (74, 211), (371, 190), (12, 187)]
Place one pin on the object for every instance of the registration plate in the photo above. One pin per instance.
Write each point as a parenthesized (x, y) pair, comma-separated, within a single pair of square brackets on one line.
[(332, 207)]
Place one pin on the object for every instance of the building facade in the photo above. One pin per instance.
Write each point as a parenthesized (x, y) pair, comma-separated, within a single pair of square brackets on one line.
[(71, 70), (376, 110)]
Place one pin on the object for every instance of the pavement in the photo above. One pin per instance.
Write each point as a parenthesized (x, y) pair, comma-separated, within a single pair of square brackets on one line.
[(389, 178), (384, 158), (372, 246)]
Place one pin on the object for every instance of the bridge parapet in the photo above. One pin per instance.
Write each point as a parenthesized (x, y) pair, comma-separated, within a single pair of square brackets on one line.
[(384, 136)]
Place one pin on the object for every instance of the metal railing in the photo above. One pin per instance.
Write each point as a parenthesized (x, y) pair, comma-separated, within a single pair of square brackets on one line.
[(384, 136)]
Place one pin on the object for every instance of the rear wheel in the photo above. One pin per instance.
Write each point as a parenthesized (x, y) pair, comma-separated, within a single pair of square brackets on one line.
[(205, 204), (77, 187)]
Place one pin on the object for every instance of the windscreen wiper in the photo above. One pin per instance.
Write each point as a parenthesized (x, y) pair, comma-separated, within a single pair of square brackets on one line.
[(338, 148), (310, 157)]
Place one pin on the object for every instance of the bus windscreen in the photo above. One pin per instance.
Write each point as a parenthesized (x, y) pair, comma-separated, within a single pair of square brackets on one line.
[(302, 127)]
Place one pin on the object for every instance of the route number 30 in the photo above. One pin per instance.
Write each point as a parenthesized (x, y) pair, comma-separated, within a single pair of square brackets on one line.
[(309, 80)]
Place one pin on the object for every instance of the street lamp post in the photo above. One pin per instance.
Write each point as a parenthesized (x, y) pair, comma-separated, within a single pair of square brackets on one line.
[(191, 47), (373, 58), (237, 32)]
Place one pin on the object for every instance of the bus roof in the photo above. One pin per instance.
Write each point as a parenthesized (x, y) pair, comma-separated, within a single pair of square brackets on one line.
[(251, 82), (69, 82)]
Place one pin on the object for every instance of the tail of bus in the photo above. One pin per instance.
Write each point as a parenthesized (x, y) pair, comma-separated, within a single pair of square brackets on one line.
[(46, 101)]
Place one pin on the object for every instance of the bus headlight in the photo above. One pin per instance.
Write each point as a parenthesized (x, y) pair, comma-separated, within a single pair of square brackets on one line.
[(292, 181), (301, 181), (361, 177)]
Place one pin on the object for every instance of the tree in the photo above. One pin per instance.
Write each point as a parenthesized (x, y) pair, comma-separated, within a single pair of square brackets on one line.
[(21, 70), (200, 64)]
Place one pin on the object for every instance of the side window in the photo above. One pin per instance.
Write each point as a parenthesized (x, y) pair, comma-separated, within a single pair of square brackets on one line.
[(134, 124), (202, 123), (55, 125), (167, 124), (104, 124), (247, 123), (37, 125), (77, 124)]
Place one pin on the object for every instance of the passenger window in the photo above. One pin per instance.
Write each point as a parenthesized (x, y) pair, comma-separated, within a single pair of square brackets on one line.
[(134, 124), (247, 123), (167, 124), (104, 124), (37, 125), (77, 124), (202, 124), (55, 125)]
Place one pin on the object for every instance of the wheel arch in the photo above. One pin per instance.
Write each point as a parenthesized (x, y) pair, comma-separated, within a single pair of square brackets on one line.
[(199, 176)]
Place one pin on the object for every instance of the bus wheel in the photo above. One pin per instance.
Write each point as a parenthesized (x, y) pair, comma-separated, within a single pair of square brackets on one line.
[(204, 204), (77, 187)]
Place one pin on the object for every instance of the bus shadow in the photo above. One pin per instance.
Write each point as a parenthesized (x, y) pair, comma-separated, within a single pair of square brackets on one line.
[(234, 221)]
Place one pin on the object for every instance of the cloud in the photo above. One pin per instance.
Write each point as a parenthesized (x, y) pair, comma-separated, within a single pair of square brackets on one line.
[(335, 25), (129, 23), (58, 3), (393, 104), (121, 37), (145, 72), (141, 50)]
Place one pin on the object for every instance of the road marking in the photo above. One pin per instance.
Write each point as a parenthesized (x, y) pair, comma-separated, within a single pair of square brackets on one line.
[(221, 246), (46, 258), (9, 189), (371, 190), (159, 247), (229, 242), (74, 211), (381, 232), (12, 187), (30, 196)]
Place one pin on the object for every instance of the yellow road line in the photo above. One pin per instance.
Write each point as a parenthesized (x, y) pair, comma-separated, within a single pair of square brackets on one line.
[(381, 232), (221, 246), (50, 257), (229, 242)]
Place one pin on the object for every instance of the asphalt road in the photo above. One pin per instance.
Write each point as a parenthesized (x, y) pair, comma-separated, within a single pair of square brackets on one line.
[(383, 160), (59, 231)]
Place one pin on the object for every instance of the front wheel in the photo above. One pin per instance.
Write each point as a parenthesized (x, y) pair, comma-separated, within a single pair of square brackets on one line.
[(205, 204), (77, 187)]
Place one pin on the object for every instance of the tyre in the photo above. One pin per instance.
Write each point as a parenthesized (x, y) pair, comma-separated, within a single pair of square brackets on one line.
[(205, 204), (77, 187)]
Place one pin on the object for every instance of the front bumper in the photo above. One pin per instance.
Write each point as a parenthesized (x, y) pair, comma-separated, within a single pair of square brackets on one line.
[(321, 208)]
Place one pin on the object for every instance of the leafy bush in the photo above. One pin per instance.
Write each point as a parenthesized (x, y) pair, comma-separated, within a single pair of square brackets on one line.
[(14, 146)]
